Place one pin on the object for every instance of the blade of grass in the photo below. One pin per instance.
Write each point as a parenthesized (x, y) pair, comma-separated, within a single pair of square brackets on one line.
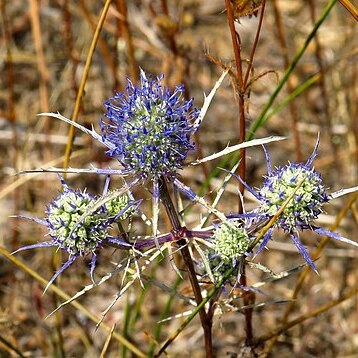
[(321, 309), (351, 8), (262, 118), (106, 343), (42, 67), (163, 315), (65, 296), (8, 346), (81, 89), (264, 115), (295, 93)]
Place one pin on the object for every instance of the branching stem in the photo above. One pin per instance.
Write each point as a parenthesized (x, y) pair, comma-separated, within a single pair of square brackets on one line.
[(179, 233)]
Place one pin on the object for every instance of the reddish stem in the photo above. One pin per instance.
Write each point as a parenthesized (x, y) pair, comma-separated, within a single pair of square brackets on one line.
[(240, 100), (179, 231)]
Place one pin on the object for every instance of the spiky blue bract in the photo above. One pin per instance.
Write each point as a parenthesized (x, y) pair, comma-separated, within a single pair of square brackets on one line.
[(149, 128), (72, 230), (305, 206), (79, 226), (307, 202)]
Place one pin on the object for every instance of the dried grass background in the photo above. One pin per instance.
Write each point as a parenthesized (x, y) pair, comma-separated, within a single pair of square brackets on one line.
[(44, 47)]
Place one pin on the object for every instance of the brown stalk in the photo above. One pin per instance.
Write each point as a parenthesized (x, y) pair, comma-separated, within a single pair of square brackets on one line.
[(171, 37), (178, 231), (254, 45), (11, 113), (84, 80), (242, 81), (323, 87), (240, 97), (102, 46), (354, 105), (43, 91), (69, 45), (42, 67), (126, 34), (350, 8), (9, 71), (9, 66), (117, 85), (292, 104)]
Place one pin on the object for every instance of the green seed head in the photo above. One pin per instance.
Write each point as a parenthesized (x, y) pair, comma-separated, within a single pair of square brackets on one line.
[(231, 241)]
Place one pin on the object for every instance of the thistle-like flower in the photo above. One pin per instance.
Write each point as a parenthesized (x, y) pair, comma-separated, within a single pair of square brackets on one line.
[(305, 206), (231, 241), (79, 226), (148, 128), (307, 202)]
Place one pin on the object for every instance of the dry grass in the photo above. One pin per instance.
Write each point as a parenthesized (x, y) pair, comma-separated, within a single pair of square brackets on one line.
[(44, 58)]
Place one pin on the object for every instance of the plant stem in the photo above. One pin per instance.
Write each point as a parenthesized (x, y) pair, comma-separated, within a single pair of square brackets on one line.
[(240, 99), (126, 34), (210, 295), (179, 232), (242, 81), (185, 233), (261, 119)]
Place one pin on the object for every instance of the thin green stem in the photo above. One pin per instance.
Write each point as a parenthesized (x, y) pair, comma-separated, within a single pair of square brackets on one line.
[(262, 117), (265, 115)]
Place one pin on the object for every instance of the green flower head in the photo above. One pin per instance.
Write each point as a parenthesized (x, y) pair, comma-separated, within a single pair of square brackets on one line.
[(231, 240)]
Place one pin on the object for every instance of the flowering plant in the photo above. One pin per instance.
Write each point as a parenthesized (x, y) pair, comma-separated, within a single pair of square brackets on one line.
[(148, 130)]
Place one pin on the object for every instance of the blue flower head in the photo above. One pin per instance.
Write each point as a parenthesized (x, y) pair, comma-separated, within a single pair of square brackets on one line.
[(63, 216), (307, 202), (79, 226), (304, 207), (148, 128)]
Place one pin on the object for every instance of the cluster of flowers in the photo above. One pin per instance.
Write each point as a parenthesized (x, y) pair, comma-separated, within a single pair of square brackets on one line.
[(81, 223), (148, 129)]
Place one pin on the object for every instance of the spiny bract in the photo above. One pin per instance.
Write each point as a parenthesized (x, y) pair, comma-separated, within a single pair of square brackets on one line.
[(149, 128), (79, 225), (307, 202)]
